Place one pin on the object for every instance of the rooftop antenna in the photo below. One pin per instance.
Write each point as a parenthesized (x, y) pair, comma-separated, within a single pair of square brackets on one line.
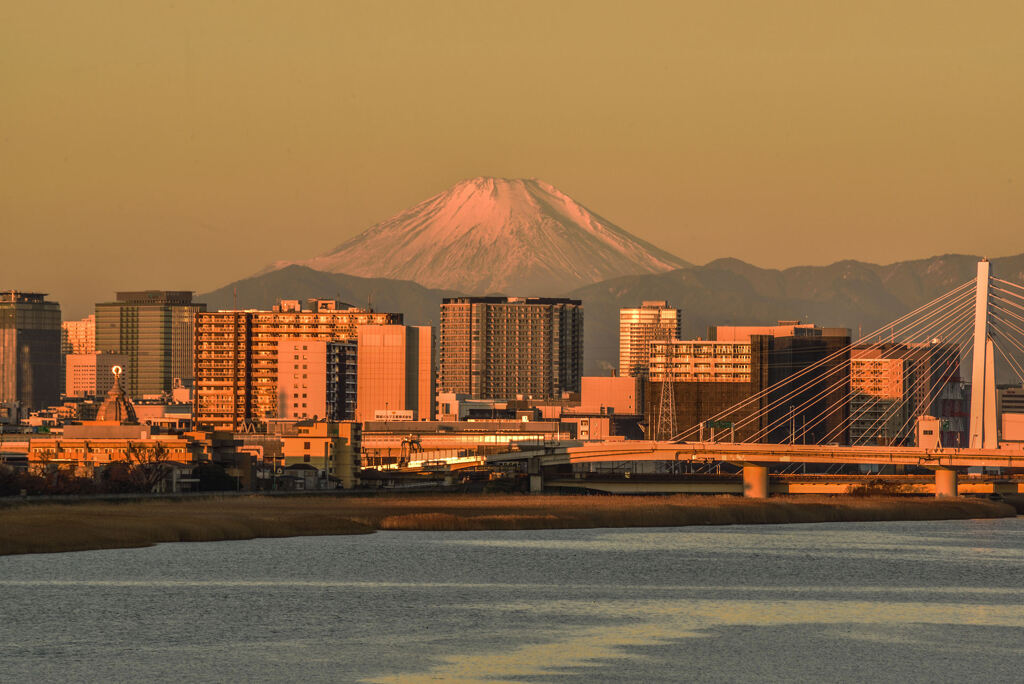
[(234, 290), (369, 301)]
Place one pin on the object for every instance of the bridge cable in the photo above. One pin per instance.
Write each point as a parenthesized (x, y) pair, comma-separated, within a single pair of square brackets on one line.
[(915, 359), (1014, 366), (954, 331), (933, 396), (957, 296), (1008, 336), (844, 379), (819, 379)]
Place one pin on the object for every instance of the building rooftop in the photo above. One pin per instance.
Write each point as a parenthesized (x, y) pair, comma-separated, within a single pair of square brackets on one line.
[(156, 297), (12, 296), (510, 300)]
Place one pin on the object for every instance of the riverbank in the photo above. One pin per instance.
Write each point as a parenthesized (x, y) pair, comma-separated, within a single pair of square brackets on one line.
[(51, 528)]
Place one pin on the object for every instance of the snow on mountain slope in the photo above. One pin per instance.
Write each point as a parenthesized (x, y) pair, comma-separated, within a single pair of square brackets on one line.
[(519, 237)]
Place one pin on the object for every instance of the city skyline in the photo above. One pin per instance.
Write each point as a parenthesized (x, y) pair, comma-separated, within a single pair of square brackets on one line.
[(279, 132), (350, 340)]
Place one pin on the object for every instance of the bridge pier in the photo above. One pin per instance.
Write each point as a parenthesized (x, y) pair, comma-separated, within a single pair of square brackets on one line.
[(755, 481), (536, 476), (945, 483)]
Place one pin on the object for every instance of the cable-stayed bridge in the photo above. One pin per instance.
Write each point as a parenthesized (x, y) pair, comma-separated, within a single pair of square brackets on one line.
[(848, 418)]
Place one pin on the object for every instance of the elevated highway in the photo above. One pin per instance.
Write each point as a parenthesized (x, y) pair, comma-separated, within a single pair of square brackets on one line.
[(756, 458)]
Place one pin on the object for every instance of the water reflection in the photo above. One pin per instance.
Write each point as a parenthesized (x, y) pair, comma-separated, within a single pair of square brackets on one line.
[(908, 601)]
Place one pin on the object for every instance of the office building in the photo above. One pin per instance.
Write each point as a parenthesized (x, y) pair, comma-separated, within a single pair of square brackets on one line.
[(90, 375), (508, 347), (153, 328), (236, 355), (395, 367), (316, 379), (638, 327), (30, 377)]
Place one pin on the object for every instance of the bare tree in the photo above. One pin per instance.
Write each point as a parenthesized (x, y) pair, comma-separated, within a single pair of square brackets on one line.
[(148, 465)]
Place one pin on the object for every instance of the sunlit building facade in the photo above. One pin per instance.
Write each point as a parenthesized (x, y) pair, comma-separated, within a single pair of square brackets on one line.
[(236, 355), (91, 375), (316, 379), (638, 328), (78, 337), (395, 366), (509, 347)]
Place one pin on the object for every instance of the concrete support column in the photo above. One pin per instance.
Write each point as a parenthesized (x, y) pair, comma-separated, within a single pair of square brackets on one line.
[(755, 481), (945, 483), (536, 476)]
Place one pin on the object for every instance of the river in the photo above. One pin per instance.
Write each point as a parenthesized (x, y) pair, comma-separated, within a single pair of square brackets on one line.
[(902, 601)]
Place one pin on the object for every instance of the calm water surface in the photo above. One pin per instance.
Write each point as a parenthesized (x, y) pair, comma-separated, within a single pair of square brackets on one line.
[(916, 601)]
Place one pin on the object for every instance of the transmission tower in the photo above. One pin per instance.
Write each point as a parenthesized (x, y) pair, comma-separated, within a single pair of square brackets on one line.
[(665, 426), (666, 429)]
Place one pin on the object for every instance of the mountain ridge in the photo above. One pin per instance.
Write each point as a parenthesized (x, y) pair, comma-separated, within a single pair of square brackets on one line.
[(850, 294)]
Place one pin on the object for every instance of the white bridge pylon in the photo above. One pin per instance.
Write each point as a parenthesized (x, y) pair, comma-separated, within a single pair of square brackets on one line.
[(983, 428)]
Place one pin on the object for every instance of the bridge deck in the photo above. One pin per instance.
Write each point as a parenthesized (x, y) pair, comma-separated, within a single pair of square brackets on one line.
[(636, 450)]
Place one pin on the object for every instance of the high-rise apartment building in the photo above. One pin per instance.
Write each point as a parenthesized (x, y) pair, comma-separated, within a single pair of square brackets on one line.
[(78, 337), (316, 379), (153, 328), (638, 327), (91, 374), (504, 347), (395, 369), (236, 355), (29, 350)]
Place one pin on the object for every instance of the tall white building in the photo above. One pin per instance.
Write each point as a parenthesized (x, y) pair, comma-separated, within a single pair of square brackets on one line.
[(638, 327)]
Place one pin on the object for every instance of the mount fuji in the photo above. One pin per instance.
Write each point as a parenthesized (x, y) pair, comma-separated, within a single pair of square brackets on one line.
[(489, 235)]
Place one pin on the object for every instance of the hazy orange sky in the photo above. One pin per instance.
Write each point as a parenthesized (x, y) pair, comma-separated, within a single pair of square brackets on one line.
[(183, 145)]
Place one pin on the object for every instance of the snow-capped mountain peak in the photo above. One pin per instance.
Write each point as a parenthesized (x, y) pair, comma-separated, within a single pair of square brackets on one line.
[(517, 236)]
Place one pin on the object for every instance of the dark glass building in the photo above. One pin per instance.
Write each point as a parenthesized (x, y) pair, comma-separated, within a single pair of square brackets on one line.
[(30, 359)]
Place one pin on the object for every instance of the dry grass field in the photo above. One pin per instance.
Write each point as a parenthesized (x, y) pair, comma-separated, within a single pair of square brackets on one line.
[(50, 527)]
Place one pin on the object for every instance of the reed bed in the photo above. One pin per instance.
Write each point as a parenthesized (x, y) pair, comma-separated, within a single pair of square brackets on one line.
[(47, 528)]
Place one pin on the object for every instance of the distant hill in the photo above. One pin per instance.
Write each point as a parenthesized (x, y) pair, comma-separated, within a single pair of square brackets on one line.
[(727, 291), (849, 294), (420, 305)]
